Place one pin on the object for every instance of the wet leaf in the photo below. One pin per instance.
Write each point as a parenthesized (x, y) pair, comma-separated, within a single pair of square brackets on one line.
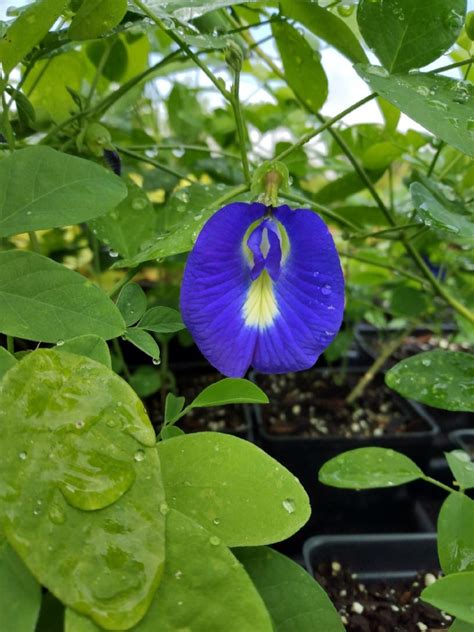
[(90, 346), (455, 534), (95, 17), (461, 467), (132, 303), (230, 390), (453, 594), (162, 320), (6, 361), (443, 217), (143, 341)]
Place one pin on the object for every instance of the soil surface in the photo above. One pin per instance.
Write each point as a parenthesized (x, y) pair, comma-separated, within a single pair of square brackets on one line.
[(380, 606), (312, 404)]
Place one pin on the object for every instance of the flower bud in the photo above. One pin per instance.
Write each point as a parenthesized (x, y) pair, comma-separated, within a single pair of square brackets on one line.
[(234, 56)]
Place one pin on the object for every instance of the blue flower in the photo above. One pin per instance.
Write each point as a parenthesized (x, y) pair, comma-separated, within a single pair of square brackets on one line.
[(264, 288)]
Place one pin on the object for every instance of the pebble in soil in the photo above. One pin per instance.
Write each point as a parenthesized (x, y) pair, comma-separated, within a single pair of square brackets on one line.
[(414, 344), (312, 404), (380, 606)]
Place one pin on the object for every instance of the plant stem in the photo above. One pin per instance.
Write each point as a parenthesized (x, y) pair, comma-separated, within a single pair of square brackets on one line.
[(119, 352), (155, 163), (10, 344), (385, 231), (386, 266), (34, 241), (100, 68), (241, 129), (171, 146), (128, 276), (433, 481), (164, 372)]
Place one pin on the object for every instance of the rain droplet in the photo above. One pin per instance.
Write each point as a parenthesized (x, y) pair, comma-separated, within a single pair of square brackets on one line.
[(164, 509), (56, 515), (426, 362), (178, 574), (216, 521), (22, 456), (79, 424), (289, 505), (326, 290), (139, 455), (156, 361), (60, 343), (138, 204), (214, 540)]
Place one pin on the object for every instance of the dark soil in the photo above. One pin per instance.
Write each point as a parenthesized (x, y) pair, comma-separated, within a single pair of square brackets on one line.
[(312, 404), (380, 606)]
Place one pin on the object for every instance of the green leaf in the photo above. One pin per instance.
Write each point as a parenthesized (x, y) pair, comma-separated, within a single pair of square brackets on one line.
[(146, 380), (20, 593), (128, 226), (28, 30), (45, 188), (143, 341), (440, 216), (95, 17), (461, 467), (405, 34), (203, 586), (230, 390), (181, 102), (295, 601), (408, 302), (90, 346), (170, 432), (327, 26), (78, 440), (461, 626), (173, 406), (132, 303), (455, 534), (442, 105), (232, 488), (453, 594), (162, 320), (300, 61), (442, 379), (368, 468), (42, 300), (6, 361)]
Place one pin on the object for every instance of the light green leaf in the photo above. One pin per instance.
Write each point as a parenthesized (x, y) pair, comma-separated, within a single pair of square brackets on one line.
[(453, 594), (407, 34), (461, 467), (461, 626), (232, 488), (6, 361), (295, 601), (173, 406), (42, 300), (20, 593), (443, 379), (327, 26), (128, 226), (90, 346), (162, 320), (170, 432), (95, 17), (230, 390), (406, 301), (455, 534), (368, 468), (203, 586), (181, 8), (300, 61), (28, 30), (441, 216), (442, 105), (132, 303), (75, 441), (45, 188), (143, 341), (146, 380)]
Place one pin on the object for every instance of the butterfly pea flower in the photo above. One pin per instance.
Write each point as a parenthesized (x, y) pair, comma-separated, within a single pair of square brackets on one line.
[(263, 287)]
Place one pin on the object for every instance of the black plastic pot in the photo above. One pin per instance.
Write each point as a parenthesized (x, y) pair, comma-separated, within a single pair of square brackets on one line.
[(464, 439)]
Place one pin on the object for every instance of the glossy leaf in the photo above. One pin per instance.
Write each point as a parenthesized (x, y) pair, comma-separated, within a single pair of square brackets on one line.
[(324, 24), (143, 341), (295, 601), (232, 488), (47, 188), (442, 379), (6, 361), (90, 346), (300, 61), (230, 390), (95, 17), (42, 300), (162, 320), (453, 594), (183, 8), (442, 217), (146, 380), (75, 441), (368, 468), (28, 30), (20, 593), (462, 468), (407, 34), (203, 585), (132, 303), (442, 105), (455, 534), (461, 626), (173, 406)]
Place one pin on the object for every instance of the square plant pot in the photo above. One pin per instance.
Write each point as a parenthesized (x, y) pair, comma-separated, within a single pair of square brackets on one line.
[(464, 439)]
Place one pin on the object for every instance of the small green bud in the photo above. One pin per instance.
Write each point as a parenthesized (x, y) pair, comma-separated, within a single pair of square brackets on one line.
[(234, 56), (268, 179), (97, 138)]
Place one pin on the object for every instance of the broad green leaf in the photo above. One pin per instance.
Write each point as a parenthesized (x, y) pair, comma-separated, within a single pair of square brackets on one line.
[(45, 188), (461, 467), (6, 361), (455, 534), (453, 594), (90, 346), (132, 303), (128, 226), (295, 601), (146, 380), (230, 390), (442, 105), (203, 586), (300, 61), (442, 379), (28, 30), (143, 341), (116, 52), (78, 440), (173, 406), (232, 488), (368, 468), (461, 626), (407, 34), (441, 216), (181, 102), (406, 301), (327, 26), (170, 432), (162, 320), (95, 17), (20, 593), (42, 300)]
